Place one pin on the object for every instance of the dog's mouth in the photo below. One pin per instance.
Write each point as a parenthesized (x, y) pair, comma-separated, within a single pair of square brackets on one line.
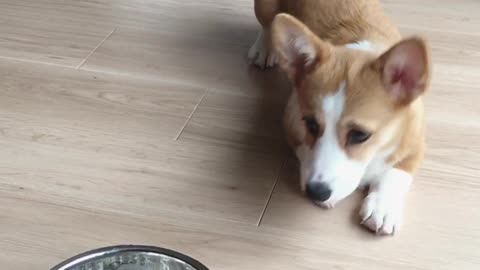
[(325, 205)]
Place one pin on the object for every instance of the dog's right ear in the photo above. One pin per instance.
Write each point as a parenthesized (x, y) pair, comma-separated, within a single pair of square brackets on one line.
[(299, 50)]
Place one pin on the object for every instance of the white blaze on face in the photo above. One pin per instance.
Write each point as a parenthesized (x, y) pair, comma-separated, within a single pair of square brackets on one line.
[(362, 45), (365, 45), (329, 162)]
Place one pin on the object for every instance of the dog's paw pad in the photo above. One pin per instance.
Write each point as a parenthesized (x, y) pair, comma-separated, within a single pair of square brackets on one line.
[(380, 214)]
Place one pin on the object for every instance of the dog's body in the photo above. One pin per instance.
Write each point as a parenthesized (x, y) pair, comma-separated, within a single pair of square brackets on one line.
[(356, 115)]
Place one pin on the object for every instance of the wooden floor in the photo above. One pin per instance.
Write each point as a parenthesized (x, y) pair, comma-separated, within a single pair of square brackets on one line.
[(139, 122)]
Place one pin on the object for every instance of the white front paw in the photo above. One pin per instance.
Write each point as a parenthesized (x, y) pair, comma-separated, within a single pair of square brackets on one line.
[(260, 55), (381, 213)]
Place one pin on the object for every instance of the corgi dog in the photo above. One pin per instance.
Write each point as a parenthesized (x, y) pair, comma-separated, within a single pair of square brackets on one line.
[(355, 116)]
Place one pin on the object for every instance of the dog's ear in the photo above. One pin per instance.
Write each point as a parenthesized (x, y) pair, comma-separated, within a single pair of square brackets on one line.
[(405, 70), (299, 50)]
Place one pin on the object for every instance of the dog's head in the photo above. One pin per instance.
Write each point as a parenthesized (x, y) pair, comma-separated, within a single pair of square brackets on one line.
[(353, 103)]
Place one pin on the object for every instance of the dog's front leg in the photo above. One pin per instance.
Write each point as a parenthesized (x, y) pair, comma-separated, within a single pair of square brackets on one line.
[(261, 53), (382, 210)]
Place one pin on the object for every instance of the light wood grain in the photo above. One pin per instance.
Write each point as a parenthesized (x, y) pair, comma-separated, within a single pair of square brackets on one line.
[(165, 54), (443, 15), (74, 133), (218, 244), (56, 32), (238, 121), (152, 129)]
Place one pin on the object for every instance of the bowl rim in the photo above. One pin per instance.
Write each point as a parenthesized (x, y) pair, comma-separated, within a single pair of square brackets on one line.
[(104, 251)]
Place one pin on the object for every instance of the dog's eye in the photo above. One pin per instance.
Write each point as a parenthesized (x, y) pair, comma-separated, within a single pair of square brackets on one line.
[(357, 136), (311, 124)]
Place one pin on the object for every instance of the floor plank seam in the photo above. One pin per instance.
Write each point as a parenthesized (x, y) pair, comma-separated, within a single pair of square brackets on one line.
[(190, 116), (2, 57), (100, 72), (259, 223), (96, 48), (113, 213)]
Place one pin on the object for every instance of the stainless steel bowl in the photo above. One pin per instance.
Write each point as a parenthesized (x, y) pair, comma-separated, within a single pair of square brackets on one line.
[(130, 258)]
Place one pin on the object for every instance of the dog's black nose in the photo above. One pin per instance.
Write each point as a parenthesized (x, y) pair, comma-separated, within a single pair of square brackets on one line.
[(318, 192)]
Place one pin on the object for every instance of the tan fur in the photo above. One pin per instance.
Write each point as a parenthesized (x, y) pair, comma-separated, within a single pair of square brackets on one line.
[(337, 22)]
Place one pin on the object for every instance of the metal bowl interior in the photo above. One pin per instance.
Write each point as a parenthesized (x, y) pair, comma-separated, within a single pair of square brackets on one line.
[(130, 258)]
